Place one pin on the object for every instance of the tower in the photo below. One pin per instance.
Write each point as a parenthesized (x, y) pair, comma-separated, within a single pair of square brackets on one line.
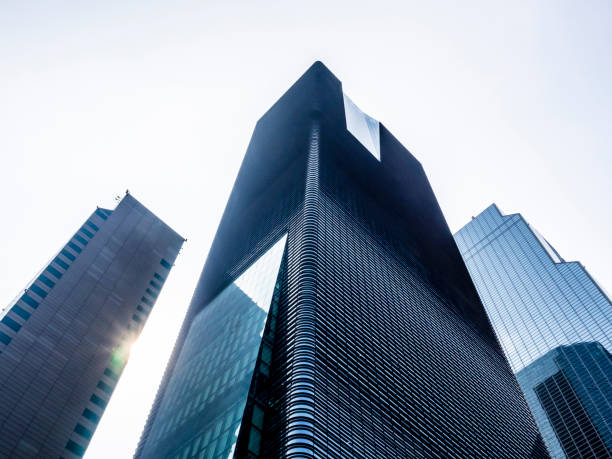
[(65, 340), (334, 315), (554, 323)]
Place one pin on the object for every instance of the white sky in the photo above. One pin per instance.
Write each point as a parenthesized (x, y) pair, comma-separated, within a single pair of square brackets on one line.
[(501, 101)]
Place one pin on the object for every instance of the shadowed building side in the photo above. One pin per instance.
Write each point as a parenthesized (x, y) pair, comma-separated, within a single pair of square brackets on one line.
[(375, 341), (563, 390)]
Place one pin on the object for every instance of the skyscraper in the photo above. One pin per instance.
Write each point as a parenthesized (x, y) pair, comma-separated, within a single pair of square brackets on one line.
[(564, 390), (65, 340), (334, 316), (554, 323)]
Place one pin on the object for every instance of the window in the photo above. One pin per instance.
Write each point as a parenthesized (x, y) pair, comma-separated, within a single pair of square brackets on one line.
[(105, 387), (54, 272), (146, 301), (39, 291), (266, 354), (98, 401), (139, 308), (111, 374), (27, 299), (75, 448), (101, 214), (136, 318), (68, 254), (83, 431), (75, 247), (45, 280), (87, 233), (12, 324), (4, 338), (159, 277), (151, 292), (61, 263), (93, 417), (155, 285), (81, 239), (258, 416), (93, 226), (165, 264), (25, 315), (254, 440)]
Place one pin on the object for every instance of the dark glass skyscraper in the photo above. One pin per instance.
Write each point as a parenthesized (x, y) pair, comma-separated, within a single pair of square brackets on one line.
[(65, 340), (334, 316), (554, 323), (564, 391)]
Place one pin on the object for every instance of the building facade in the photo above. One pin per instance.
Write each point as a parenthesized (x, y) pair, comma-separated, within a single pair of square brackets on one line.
[(65, 340), (554, 323), (334, 316), (563, 390)]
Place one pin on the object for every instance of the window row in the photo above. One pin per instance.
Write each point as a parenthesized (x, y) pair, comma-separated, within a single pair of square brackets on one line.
[(40, 288), (90, 416)]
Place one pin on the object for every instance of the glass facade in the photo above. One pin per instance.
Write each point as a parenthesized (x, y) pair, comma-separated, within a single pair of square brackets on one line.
[(375, 343), (570, 395), (538, 302), (206, 396), (365, 128)]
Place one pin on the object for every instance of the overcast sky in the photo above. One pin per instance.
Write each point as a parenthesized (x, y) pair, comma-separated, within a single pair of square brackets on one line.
[(506, 102)]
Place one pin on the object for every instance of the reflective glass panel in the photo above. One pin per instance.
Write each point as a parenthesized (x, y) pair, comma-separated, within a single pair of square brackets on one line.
[(363, 127), (203, 405)]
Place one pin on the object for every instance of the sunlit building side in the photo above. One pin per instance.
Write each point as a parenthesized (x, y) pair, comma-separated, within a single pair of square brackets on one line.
[(66, 338)]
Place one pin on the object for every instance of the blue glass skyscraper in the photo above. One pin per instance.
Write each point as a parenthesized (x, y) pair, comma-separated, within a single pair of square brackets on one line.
[(554, 323)]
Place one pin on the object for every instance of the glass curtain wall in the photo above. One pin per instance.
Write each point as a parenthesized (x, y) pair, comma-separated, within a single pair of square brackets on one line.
[(202, 408)]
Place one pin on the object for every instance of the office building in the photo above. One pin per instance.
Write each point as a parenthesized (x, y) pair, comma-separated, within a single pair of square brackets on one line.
[(554, 323), (334, 316), (65, 340), (563, 389)]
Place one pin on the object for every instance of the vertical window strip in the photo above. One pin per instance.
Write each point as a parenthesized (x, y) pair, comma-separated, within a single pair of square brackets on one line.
[(81, 239), (54, 272), (86, 232), (101, 214), (92, 225)]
